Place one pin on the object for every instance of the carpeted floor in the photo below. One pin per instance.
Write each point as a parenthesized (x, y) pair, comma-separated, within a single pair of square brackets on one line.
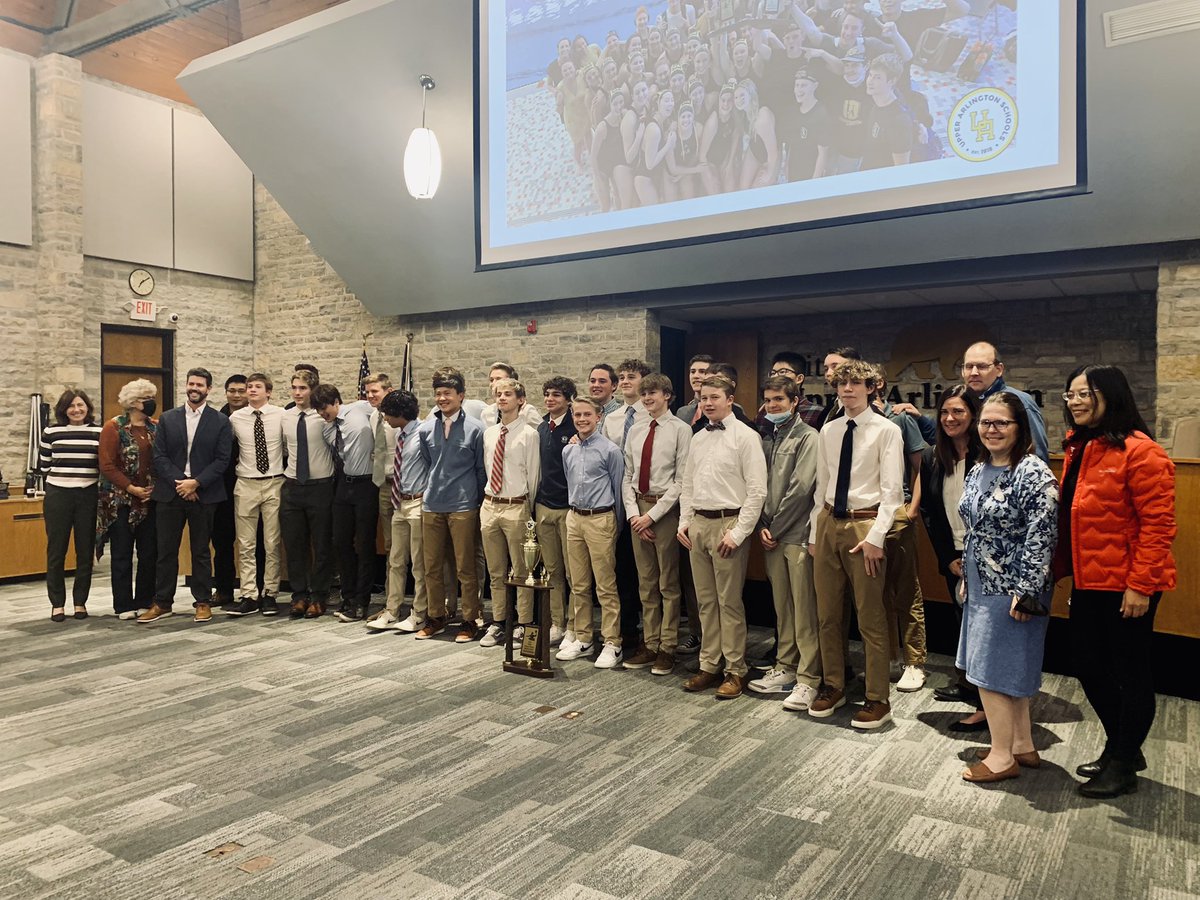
[(269, 758)]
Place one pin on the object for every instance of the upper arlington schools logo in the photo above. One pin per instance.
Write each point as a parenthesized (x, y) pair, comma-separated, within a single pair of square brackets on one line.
[(983, 124)]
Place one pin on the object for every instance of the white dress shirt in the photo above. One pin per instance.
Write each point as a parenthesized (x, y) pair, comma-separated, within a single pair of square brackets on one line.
[(876, 470), (613, 424), (491, 415), (320, 454), (385, 445), (725, 469), (668, 459), (242, 421), (191, 422), (522, 459)]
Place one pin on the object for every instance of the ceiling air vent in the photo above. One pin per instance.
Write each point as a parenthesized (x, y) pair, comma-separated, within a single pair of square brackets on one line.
[(1150, 20)]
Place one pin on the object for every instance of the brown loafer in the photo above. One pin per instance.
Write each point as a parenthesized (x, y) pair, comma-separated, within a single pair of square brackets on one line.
[(702, 681), (731, 687), (203, 613), (1029, 760), (154, 613), (315, 610), (981, 774), (299, 608)]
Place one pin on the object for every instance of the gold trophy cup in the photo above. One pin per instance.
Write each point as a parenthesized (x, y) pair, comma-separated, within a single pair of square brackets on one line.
[(531, 552)]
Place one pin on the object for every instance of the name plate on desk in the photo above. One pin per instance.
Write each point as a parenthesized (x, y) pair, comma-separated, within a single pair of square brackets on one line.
[(529, 643)]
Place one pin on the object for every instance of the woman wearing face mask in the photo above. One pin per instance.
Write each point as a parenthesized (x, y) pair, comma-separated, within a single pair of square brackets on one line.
[(68, 457), (1116, 526), (125, 515)]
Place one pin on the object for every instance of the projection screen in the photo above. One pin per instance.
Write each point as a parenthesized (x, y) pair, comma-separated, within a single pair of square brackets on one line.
[(605, 126)]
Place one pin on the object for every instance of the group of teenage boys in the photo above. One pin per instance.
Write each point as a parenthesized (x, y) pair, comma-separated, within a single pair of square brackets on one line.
[(827, 489)]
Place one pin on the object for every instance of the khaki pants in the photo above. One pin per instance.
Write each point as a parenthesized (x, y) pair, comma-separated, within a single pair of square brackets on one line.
[(689, 592), (385, 515), (552, 536), (902, 593), (254, 497), (658, 581), (790, 571), (455, 531), (835, 568), (407, 549), (590, 554), (503, 528), (719, 583)]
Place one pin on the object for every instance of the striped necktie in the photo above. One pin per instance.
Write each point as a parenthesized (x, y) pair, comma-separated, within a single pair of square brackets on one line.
[(397, 468), (497, 482)]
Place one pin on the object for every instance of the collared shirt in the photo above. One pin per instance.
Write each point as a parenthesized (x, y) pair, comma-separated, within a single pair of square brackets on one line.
[(876, 470), (529, 412), (385, 443), (726, 469), (668, 458), (791, 453), (320, 456), (552, 489), (688, 413), (456, 474), (242, 422), (522, 459), (594, 470), (613, 403), (414, 471), (358, 438), (192, 422), (613, 424)]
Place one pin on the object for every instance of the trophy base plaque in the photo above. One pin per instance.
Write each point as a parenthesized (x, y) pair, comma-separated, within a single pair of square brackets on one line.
[(535, 646)]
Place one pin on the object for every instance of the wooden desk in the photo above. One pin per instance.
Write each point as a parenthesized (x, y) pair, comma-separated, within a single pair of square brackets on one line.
[(23, 537)]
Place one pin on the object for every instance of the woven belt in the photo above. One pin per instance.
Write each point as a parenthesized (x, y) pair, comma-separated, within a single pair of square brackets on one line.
[(412, 496), (507, 501), (869, 512), (598, 511), (650, 498), (718, 513)]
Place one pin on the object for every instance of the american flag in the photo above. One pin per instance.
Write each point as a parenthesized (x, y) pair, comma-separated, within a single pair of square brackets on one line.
[(364, 372)]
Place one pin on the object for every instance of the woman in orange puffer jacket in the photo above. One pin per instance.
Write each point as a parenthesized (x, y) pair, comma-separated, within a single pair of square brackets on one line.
[(1116, 525)]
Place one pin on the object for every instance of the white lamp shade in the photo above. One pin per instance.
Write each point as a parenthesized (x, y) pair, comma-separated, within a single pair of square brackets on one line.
[(422, 164)]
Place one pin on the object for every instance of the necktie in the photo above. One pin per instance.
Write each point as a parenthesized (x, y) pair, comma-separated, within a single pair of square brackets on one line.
[(841, 491), (696, 415), (497, 482), (644, 465), (397, 469), (379, 456), (629, 414), (715, 426), (301, 450), (261, 460), (339, 442), (551, 426)]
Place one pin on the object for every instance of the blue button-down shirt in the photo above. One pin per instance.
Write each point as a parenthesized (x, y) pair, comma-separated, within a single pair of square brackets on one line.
[(414, 471), (456, 475), (358, 438), (594, 470)]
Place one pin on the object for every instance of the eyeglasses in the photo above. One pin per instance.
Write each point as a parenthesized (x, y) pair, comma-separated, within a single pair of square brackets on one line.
[(995, 424), (1085, 394), (775, 372), (978, 367)]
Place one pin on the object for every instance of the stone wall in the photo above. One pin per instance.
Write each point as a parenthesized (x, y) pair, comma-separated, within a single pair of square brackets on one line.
[(1178, 350)]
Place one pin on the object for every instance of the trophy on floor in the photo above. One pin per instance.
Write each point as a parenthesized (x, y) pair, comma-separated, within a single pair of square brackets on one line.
[(531, 551), (535, 646)]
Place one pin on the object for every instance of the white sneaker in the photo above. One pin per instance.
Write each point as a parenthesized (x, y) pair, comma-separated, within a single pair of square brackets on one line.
[(492, 636), (518, 634), (556, 635), (411, 624), (573, 650), (128, 614), (142, 611), (799, 699), (610, 657), (385, 621), (776, 681), (913, 679)]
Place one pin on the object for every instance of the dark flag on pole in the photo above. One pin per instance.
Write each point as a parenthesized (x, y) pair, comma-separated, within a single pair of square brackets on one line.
[(406, 371), (364, 371)]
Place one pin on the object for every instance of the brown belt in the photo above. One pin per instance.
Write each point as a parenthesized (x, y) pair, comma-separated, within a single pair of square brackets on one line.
[(412, 496), (598, 511), (650, 498), (718, 513), (508, 501), (869, 512)]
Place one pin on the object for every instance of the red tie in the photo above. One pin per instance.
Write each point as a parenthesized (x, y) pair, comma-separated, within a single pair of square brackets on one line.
[(551, 424), (397, 466), (647, 452), (497, 483)]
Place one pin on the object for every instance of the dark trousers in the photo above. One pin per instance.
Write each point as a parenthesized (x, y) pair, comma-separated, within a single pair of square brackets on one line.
[(306, 521), (224, 543), (627, 582), (123, 543), (355, 515), (172, 515), (1113, 662), (67, 510)]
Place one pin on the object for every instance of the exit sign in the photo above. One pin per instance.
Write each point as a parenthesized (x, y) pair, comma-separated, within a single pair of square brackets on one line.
[(143, 311)]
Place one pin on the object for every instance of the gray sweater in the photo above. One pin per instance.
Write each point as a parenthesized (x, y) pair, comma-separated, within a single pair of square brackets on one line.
[(791, 479)]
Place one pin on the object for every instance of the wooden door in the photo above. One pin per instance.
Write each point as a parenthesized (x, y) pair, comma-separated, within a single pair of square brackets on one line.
[(129, 352)]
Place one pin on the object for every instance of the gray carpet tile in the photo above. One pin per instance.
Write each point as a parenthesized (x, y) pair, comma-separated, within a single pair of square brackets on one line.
[(358, 765)]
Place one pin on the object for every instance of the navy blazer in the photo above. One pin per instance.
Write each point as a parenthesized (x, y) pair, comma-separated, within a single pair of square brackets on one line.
[(211, 449)]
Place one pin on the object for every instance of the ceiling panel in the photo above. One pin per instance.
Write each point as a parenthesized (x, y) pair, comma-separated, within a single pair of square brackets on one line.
[(1107, 283)]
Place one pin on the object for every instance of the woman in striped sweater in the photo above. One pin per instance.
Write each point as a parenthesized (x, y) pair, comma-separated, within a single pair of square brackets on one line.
[(70, 459)]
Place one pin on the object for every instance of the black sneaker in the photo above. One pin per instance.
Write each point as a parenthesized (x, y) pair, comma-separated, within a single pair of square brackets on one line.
[(350, 612), (270, 607), (247, 607)]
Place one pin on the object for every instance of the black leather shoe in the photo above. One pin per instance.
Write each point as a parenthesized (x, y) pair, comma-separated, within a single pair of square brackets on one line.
[(968, 727), (954, 693), (1115, 779), (1096, 766)]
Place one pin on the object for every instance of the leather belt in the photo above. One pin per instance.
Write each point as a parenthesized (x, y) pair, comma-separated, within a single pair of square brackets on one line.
[(598, 511), (260, 477), (354, 479), (412, 496), (507, 501), (868, 512), (649, 498), (718, 513), (310, 481)]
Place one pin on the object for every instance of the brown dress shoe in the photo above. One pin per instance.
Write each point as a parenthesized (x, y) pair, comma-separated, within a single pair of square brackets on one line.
[(731, 687), (981, 774), (299, 608), (1029, 760), (702, 681), (316, 609), (203, 613), (154, 613)]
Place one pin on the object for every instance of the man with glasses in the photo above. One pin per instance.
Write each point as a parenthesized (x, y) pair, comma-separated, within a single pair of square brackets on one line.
[(791, 365)]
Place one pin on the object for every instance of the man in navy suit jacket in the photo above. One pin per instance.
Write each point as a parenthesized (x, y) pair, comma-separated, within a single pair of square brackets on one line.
[(191, 453)]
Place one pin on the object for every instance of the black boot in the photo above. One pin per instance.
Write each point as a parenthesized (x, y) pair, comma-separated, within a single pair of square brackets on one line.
[(1115, 779), (1096, 766)]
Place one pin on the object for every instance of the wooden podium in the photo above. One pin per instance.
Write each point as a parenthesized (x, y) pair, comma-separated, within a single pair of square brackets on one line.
[(536, 663)]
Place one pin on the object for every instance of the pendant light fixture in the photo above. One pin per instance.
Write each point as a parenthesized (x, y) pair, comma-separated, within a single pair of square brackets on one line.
[(423, 156)]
